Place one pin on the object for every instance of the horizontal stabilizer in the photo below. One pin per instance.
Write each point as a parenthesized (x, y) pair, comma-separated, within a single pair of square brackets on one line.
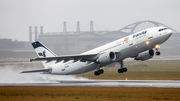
[(41, 70)]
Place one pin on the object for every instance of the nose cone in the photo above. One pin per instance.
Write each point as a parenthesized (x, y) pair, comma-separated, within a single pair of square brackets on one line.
[(169, 32)]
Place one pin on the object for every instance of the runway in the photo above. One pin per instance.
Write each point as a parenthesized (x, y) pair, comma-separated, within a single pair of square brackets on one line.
[(107, 83)]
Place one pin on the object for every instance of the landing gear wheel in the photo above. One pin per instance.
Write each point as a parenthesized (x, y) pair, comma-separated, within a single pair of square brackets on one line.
[(120, 71), (96, 73), (101, 71), (158, 53), (124, 69)]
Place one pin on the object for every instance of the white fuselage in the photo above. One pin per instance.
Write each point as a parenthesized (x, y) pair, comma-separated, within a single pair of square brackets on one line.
[(128, 46)]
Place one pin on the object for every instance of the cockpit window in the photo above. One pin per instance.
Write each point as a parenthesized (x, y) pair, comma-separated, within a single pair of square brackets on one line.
[(162, 29)]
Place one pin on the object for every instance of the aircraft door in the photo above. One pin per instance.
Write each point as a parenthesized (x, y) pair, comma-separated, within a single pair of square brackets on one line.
[(64, 67), (130, 41), (150, 35)]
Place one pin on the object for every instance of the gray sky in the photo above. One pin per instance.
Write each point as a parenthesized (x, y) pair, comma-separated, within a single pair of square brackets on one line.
[(17, 15)]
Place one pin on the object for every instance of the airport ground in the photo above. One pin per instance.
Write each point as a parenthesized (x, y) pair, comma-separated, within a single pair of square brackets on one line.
[(137, 70)]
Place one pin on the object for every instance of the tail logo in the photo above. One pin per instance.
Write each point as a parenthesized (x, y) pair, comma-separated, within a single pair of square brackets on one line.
[(42, 54)]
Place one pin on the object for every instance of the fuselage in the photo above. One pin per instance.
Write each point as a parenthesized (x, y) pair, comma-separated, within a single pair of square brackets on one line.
[(128, 46)]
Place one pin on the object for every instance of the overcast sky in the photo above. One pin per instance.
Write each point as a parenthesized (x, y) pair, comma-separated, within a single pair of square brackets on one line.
[(17, 15)]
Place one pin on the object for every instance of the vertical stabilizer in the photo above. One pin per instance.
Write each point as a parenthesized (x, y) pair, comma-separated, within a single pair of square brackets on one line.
[(43, 51)]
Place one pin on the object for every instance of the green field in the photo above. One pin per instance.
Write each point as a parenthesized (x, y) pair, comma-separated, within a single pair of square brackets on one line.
[(138, 70)]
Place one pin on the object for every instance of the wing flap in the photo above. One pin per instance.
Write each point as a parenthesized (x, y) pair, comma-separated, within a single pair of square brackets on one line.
[(82, 58), (40, 70)]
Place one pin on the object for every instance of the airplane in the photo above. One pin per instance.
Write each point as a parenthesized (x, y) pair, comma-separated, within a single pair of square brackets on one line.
[(140, 46)]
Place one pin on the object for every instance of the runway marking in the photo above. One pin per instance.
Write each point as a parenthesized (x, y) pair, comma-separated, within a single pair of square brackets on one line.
[(108, 83)]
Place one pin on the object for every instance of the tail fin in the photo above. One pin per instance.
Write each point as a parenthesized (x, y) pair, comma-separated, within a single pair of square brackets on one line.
[(43, 51)]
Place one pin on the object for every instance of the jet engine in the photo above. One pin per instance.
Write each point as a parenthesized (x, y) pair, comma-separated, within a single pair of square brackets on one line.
[(145, 55), (106, 57)]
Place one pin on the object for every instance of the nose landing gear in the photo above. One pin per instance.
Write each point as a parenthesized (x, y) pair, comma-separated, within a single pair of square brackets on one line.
[(157, 52)]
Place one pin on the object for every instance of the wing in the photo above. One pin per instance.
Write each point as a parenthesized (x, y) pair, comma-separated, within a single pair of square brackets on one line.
[(79, 57)]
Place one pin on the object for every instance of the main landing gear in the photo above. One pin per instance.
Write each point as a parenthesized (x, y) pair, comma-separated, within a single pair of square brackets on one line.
[(121, 70), (98, 72)]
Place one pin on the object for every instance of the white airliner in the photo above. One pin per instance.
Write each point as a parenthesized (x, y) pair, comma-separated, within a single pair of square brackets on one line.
[(138, 46)]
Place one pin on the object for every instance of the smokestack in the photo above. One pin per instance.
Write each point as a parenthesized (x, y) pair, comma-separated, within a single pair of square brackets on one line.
[(91, 26), (30, 34), (41, 28), (64, 28), (78, 26), (36, 33)]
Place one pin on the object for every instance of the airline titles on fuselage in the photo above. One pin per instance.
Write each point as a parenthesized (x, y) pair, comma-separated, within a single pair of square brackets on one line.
[(139, 35), (136, 36)]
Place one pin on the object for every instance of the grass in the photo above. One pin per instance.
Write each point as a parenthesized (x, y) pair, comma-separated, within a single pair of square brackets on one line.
[(47, 93), (136, 76), (146, 70)]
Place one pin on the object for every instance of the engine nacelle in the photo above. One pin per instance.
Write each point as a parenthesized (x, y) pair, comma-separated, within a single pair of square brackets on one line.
[(106, 57), (145, 55)]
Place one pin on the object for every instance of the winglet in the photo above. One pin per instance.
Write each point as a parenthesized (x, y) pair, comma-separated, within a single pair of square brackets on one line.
[(31, 60)]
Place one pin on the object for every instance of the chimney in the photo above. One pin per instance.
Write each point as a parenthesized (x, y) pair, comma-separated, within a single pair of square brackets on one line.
[(30, 34), (36, 32), (64, 28), (41, 28), (91, 26), (78, 26)]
